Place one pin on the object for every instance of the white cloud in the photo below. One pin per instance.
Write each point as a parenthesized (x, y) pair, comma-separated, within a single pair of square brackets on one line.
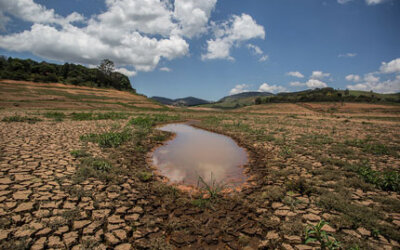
[(315, 83), (136, 33), (371, 78), (343, 1), (231, 33), (30, 11), (257, 51), (388, 86), (265, 87), (391, 67), (374, 2), (166, 69), (126, 72), (349, 55), (263, 58), (319, 75), (372, 81), (193, 15), (295, 74), (311, 84), (353, 78), (240, 88)]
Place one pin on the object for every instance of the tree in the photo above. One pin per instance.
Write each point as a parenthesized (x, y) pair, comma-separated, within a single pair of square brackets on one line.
[(346, 92), (106, 67), (258, 101)]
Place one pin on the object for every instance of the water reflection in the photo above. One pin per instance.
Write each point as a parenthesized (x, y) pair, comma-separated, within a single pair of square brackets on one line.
[(196, 152)]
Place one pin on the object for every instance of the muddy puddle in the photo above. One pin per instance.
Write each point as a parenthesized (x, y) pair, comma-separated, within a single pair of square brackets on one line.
[(196, 152)]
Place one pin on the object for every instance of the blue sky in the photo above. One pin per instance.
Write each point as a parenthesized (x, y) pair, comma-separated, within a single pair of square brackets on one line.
[(212, 48)]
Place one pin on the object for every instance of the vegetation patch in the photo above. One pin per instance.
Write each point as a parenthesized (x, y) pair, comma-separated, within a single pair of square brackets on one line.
[(98, 168), (57, 116), (385, 180), (18, 118), (84, 116), (108, 139), (79, 153)]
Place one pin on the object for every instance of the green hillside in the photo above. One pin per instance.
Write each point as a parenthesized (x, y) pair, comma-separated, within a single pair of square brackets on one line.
[(238, 100), (68, 73)]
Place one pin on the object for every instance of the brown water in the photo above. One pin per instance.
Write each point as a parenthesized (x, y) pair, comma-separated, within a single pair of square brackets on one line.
[(196, 152)]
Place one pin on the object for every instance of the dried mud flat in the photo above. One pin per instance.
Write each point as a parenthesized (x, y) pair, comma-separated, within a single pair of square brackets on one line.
[(303, 170)]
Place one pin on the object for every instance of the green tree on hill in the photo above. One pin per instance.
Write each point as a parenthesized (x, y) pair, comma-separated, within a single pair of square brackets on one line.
[(29, 70)]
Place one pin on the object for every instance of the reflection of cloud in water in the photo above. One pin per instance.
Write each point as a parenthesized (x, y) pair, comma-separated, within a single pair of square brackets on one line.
[(214, 171), (195, 152)]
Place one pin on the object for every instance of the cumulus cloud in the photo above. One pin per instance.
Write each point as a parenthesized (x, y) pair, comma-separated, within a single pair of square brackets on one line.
[(193, 15), (343, 1), (374, 2), (240, 88), (388, 86), (232, 33), (348, 55), (136, 33), (263, 58), (391, 67), (30, 11), (353, 78), (319, 75), (372, 81), (315, 80), (166, 69), (258, 52), (255, 49), (265, 87), (311, 83), (126, 72), (295, 74)]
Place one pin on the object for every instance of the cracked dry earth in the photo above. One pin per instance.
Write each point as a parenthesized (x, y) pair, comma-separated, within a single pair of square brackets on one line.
[(43, 208), (35, 167)]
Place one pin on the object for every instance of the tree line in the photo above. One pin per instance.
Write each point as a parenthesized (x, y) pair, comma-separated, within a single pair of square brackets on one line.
[(103, 76), (328, 95)]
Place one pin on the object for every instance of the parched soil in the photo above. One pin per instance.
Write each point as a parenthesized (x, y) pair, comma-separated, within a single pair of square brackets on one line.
[(277, 108), (303, 169)]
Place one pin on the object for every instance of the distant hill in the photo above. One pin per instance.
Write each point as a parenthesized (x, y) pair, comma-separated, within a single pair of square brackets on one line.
[(245, 95), (163, 100), (331, 95), (310, 95), (187, 101), (238, 100), (68, 73)]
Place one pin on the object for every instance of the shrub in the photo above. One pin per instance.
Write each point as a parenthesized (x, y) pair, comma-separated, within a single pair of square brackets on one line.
[(109, 139)]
